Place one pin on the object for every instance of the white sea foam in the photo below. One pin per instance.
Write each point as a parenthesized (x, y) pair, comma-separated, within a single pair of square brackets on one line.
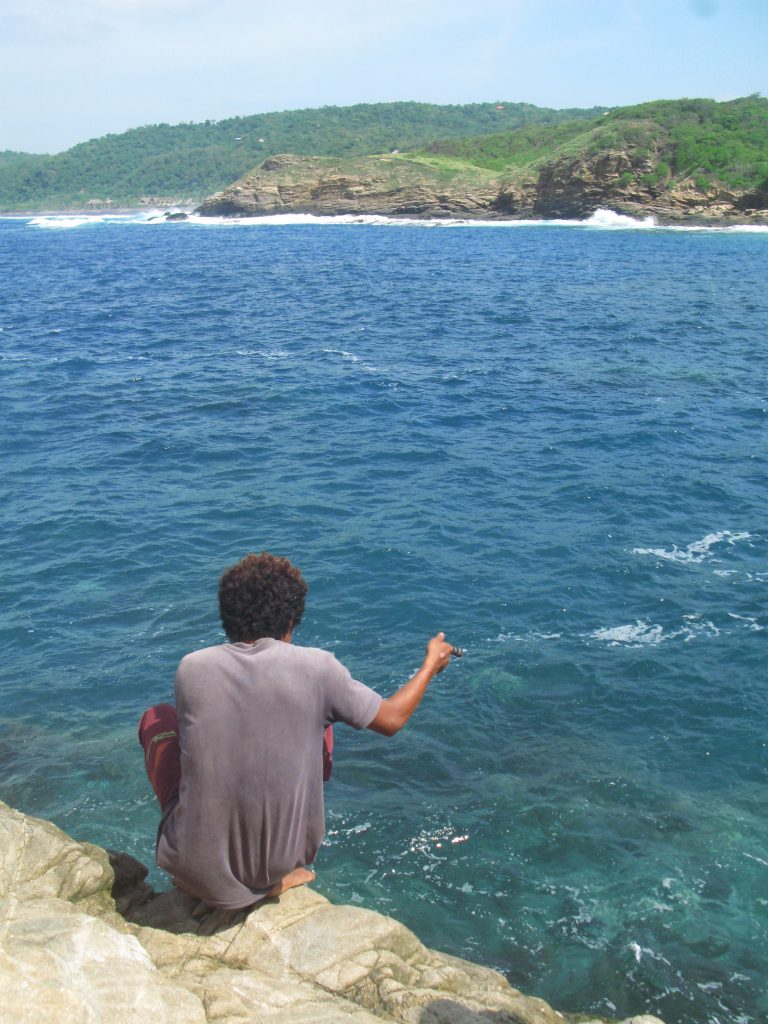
[(533, 637), (633, 635), (698, 551), (641, 951), (609, 219), (646, 634), (602, 219), (271, 355), (61, 223), (754, 229), (599, 219), (67, 221), (695, 626), (349, 356), (289, 219), (750, 622)]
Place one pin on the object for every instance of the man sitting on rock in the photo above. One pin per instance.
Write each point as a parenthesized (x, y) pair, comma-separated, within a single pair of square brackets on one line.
[(238, 765)]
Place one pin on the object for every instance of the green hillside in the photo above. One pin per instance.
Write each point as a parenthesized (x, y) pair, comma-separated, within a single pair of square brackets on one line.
[(193, 160), (712, 143)]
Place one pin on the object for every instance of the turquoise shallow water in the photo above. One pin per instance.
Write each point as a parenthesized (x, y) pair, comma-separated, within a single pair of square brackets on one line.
[(549, 441)]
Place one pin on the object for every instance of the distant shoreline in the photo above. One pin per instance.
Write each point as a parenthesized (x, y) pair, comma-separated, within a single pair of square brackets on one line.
[(695, 162), (660, 221), (78, 211)]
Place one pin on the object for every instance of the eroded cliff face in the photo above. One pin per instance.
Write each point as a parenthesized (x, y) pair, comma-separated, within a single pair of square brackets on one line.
[(392, 188), (621, 180), (84, 939)]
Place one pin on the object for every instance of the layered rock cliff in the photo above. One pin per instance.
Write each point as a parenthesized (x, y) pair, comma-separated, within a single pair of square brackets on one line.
[(84, 939), (394, 186), (388, 186)]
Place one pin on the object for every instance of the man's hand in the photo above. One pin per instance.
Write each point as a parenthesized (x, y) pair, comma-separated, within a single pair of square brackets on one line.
[(438, 654), (397, 709)]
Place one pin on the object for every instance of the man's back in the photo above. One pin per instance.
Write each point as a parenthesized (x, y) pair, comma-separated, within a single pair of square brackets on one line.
[(251, 722)]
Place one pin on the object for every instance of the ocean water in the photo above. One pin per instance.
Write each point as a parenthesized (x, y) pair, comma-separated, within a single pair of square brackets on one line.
[(547, 440)]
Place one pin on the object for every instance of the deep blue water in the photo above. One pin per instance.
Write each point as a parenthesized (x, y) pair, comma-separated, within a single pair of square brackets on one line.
[(549, 441)]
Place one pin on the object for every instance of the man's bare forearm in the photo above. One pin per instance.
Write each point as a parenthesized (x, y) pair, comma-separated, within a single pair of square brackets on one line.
[(397, 709)]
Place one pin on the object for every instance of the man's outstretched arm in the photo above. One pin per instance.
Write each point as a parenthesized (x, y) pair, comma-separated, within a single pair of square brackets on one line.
[(397, 709)]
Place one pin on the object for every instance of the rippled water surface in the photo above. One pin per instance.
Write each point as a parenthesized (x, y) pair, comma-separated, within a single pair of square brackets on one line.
[(549, 441)]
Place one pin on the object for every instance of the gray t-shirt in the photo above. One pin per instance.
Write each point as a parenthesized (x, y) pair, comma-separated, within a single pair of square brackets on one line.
[(251, 723)]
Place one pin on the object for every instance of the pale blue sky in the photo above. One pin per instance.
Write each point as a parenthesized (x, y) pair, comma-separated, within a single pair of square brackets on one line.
[(75, 70)]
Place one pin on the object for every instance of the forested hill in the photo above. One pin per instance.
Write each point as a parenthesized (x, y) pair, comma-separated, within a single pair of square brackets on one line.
[(671, 159), (709, 143), (188, 161)]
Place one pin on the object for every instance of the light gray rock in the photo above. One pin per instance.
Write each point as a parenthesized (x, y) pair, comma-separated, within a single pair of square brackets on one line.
[(84, 939), (57, 964), (37, 859)]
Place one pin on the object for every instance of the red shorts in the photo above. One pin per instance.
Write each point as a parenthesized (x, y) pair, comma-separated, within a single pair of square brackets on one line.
[(159, 736)]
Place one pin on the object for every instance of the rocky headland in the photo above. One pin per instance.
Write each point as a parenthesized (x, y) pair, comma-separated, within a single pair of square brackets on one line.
[(386, 186), (399, 186), (84, 939)]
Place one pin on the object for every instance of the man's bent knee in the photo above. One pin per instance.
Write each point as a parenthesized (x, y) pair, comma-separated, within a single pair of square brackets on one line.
[(159, 736)]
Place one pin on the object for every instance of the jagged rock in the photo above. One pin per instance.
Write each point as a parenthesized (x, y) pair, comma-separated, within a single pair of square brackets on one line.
[(83, 938), (568, 188)]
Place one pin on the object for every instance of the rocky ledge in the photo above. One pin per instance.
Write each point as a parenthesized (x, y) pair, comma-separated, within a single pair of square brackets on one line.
[(397, 186), (390, 187), (83, 938)]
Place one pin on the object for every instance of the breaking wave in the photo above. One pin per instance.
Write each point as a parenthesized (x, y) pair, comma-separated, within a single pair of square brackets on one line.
[(601, 219)]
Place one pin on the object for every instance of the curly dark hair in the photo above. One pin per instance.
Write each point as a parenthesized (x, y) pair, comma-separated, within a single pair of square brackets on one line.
[(261, 595)]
